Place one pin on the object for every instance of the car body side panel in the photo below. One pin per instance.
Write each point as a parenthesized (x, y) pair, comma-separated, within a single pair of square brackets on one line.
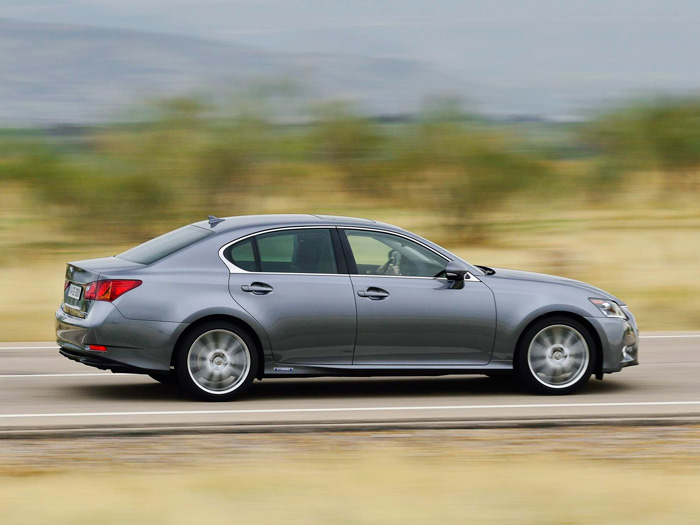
[(173, 288), (183, 288), (521, 301), (309, 318), (145, 345), (424, 321)]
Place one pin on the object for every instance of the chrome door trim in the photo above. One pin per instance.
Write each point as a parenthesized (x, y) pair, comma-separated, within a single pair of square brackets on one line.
[(235, 269)]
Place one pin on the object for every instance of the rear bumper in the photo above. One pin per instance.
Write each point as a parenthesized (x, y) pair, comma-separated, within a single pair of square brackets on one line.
[(100, 362), (132, 345)]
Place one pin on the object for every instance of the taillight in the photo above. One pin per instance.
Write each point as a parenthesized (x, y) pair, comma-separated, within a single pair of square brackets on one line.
[(90, 291), (109, 290)]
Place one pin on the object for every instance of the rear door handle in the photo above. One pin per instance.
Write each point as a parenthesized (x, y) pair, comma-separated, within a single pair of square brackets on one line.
[(373, 293), (257, 288)]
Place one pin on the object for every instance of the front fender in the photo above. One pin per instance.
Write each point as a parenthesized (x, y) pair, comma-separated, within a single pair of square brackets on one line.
[(520, 302)]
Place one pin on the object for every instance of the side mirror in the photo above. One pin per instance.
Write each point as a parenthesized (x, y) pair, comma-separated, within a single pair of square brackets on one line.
[(456, 271)]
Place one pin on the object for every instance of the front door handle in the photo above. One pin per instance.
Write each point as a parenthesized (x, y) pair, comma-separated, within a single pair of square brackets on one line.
[(257, 288), (373, 293)]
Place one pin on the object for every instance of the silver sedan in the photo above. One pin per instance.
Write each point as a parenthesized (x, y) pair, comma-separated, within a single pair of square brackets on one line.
[(218, 303)]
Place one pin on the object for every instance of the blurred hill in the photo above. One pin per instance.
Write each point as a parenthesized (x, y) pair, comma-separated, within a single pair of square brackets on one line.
[(537, 57), (66, 73)]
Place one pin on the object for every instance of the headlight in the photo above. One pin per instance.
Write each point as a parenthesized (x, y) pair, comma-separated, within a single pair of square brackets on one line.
[(609, 308)]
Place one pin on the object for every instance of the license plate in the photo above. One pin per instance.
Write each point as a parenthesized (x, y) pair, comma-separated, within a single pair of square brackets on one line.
[(74, 292)]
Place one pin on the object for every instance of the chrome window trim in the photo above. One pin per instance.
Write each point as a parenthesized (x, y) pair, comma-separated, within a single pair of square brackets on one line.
[(235, 269), (467, 278)]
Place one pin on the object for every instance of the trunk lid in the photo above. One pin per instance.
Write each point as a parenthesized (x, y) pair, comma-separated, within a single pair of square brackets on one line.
[(81, 273)]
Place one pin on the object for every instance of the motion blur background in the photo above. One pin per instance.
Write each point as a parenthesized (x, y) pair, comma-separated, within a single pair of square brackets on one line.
[(561, 137), (545, 135)]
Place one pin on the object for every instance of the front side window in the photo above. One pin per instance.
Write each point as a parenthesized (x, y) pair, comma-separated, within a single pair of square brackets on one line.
[(378, 253), (289, 251)]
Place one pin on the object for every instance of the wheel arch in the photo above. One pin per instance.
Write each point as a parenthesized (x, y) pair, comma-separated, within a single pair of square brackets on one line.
[(229, 319), (598, 370)]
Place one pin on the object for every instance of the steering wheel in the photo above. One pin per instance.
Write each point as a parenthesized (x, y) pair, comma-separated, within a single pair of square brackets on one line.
[(392, 265)]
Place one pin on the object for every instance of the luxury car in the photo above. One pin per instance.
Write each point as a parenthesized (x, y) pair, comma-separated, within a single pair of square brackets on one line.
[(218, 303)]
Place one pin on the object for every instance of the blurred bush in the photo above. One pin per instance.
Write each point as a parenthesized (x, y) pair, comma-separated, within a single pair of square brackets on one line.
[(580, 199), (188, 159), (654, 136)]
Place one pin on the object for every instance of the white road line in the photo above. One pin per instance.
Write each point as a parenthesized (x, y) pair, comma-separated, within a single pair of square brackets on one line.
[(88, 374), (28, 348), (668, 336), (348, 409)]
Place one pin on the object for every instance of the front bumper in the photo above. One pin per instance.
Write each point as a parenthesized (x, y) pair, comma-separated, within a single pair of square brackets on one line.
[(132, 345), (619, 340)]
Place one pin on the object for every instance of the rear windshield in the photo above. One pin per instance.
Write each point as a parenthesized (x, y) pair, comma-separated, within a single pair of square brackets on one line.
[(151, 251)]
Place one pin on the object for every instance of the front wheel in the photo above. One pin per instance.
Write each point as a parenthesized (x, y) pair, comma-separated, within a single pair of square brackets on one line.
[(556, 356), (216, 362)]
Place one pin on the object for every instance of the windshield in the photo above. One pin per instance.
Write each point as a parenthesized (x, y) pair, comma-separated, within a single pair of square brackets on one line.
[(169, 243)]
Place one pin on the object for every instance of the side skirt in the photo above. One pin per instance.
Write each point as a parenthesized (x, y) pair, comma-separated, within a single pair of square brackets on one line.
[(277, 370)]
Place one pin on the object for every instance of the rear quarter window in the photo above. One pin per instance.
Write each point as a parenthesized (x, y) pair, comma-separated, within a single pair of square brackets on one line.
[(167, 244), (243, 256)]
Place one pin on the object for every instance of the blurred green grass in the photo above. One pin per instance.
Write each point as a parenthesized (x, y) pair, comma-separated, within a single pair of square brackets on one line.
[(614, 201)]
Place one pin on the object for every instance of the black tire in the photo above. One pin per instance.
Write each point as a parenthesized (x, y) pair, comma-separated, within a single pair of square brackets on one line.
[(556, 356), (165, 378), (207, 390)]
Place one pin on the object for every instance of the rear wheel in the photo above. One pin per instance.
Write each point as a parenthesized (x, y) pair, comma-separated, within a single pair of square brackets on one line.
[(217, 362), (556, 356)]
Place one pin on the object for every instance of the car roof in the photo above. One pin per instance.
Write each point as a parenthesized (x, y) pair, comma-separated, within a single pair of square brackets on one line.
[(252, 224), (239, 222)]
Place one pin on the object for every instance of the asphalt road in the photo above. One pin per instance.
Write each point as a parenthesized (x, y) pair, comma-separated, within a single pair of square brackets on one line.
[(41, 392)]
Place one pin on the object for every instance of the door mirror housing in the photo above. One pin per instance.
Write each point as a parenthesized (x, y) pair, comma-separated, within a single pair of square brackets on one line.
[(456, 271)]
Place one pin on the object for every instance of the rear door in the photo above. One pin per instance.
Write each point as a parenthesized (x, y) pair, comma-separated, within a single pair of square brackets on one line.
[(406, 313), (295, 285)]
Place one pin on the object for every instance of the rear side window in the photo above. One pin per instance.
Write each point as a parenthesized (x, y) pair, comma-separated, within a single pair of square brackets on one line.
[(167, 244), (308, 250), (243, 256)]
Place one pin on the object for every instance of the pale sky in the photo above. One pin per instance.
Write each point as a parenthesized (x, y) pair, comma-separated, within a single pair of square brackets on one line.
[(544, 49)]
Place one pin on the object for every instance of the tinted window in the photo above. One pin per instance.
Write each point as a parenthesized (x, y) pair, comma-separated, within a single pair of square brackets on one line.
[(297, 251), (385, 254), (151, 251), (243, 256)]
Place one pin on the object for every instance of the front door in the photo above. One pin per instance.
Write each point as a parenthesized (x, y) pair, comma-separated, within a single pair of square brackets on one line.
[(407, 314)]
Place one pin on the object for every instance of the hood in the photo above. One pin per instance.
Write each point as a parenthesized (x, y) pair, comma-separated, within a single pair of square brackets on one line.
[(544, 278)]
